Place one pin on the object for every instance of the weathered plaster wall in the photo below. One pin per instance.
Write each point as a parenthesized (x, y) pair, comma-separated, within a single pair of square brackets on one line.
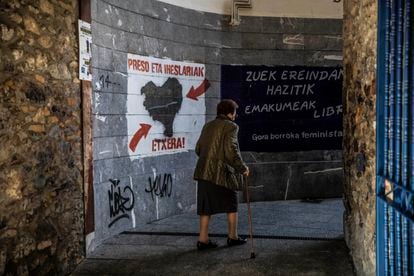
[(359, 97), (280, 8), (152, 28), (41, 209)]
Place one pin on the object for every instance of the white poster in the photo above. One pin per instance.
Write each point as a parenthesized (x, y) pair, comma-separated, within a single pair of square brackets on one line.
[(166, 105), (85, 54)]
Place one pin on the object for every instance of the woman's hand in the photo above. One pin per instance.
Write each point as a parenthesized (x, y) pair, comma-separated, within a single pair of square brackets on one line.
[(247, 171)]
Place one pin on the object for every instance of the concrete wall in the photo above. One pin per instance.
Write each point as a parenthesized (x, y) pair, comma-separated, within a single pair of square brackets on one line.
[(152, 28), (41, 204), (359, 97)]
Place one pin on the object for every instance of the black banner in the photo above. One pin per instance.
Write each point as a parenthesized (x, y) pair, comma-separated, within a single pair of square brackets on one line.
[(286, 108)]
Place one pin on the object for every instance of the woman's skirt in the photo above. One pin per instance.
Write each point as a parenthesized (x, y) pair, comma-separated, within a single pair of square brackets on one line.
[(214, 199)]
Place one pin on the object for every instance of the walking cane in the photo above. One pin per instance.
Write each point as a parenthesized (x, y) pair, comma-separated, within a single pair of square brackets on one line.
[(249, 216)]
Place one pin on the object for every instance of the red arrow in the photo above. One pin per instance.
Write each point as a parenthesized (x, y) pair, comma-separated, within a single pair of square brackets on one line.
[(195, 93), (143, 131)]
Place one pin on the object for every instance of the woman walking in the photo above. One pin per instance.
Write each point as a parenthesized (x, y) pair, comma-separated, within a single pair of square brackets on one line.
[(219, 173)]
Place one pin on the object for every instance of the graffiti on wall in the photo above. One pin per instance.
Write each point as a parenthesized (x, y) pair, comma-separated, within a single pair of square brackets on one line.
[(160, 186), (166, 105), (105, 82), (120, 201)]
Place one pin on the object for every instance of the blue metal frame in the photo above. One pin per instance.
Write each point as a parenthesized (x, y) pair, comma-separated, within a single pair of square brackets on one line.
[(395, 138), (410, 180)]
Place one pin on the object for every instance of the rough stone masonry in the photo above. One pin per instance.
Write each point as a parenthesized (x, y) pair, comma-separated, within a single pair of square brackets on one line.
[(359, 98), (41, 209)]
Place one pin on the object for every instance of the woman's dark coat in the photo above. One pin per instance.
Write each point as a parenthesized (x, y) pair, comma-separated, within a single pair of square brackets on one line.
[(219, 160)]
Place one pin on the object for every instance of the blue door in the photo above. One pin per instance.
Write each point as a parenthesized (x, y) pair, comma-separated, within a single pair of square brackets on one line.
[(395, 138)]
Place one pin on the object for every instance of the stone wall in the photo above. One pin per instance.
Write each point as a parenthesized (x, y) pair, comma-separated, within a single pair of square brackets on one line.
[(155, 29), (359, 98), (41, 205)]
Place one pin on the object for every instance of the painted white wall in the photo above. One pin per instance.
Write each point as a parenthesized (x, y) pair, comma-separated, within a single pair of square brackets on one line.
[(272, 8)]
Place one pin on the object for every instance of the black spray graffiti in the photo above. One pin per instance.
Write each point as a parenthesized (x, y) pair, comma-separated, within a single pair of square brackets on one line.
[(119, 204), (104, 80), (158, 188)]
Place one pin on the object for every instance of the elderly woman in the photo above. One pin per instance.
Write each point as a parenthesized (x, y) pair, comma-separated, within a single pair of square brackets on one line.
[(218, 172)]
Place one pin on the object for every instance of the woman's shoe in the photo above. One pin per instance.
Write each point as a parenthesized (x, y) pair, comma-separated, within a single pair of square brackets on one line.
[(203, 246), (238, 241)]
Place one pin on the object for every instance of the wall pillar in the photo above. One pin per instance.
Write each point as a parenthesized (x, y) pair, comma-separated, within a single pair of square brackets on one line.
[(359, 98)]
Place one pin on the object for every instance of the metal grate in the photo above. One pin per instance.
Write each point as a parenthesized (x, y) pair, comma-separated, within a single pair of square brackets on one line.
[(395, 138)]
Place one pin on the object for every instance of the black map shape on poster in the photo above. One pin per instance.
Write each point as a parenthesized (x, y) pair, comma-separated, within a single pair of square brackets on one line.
[(164, 102)]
